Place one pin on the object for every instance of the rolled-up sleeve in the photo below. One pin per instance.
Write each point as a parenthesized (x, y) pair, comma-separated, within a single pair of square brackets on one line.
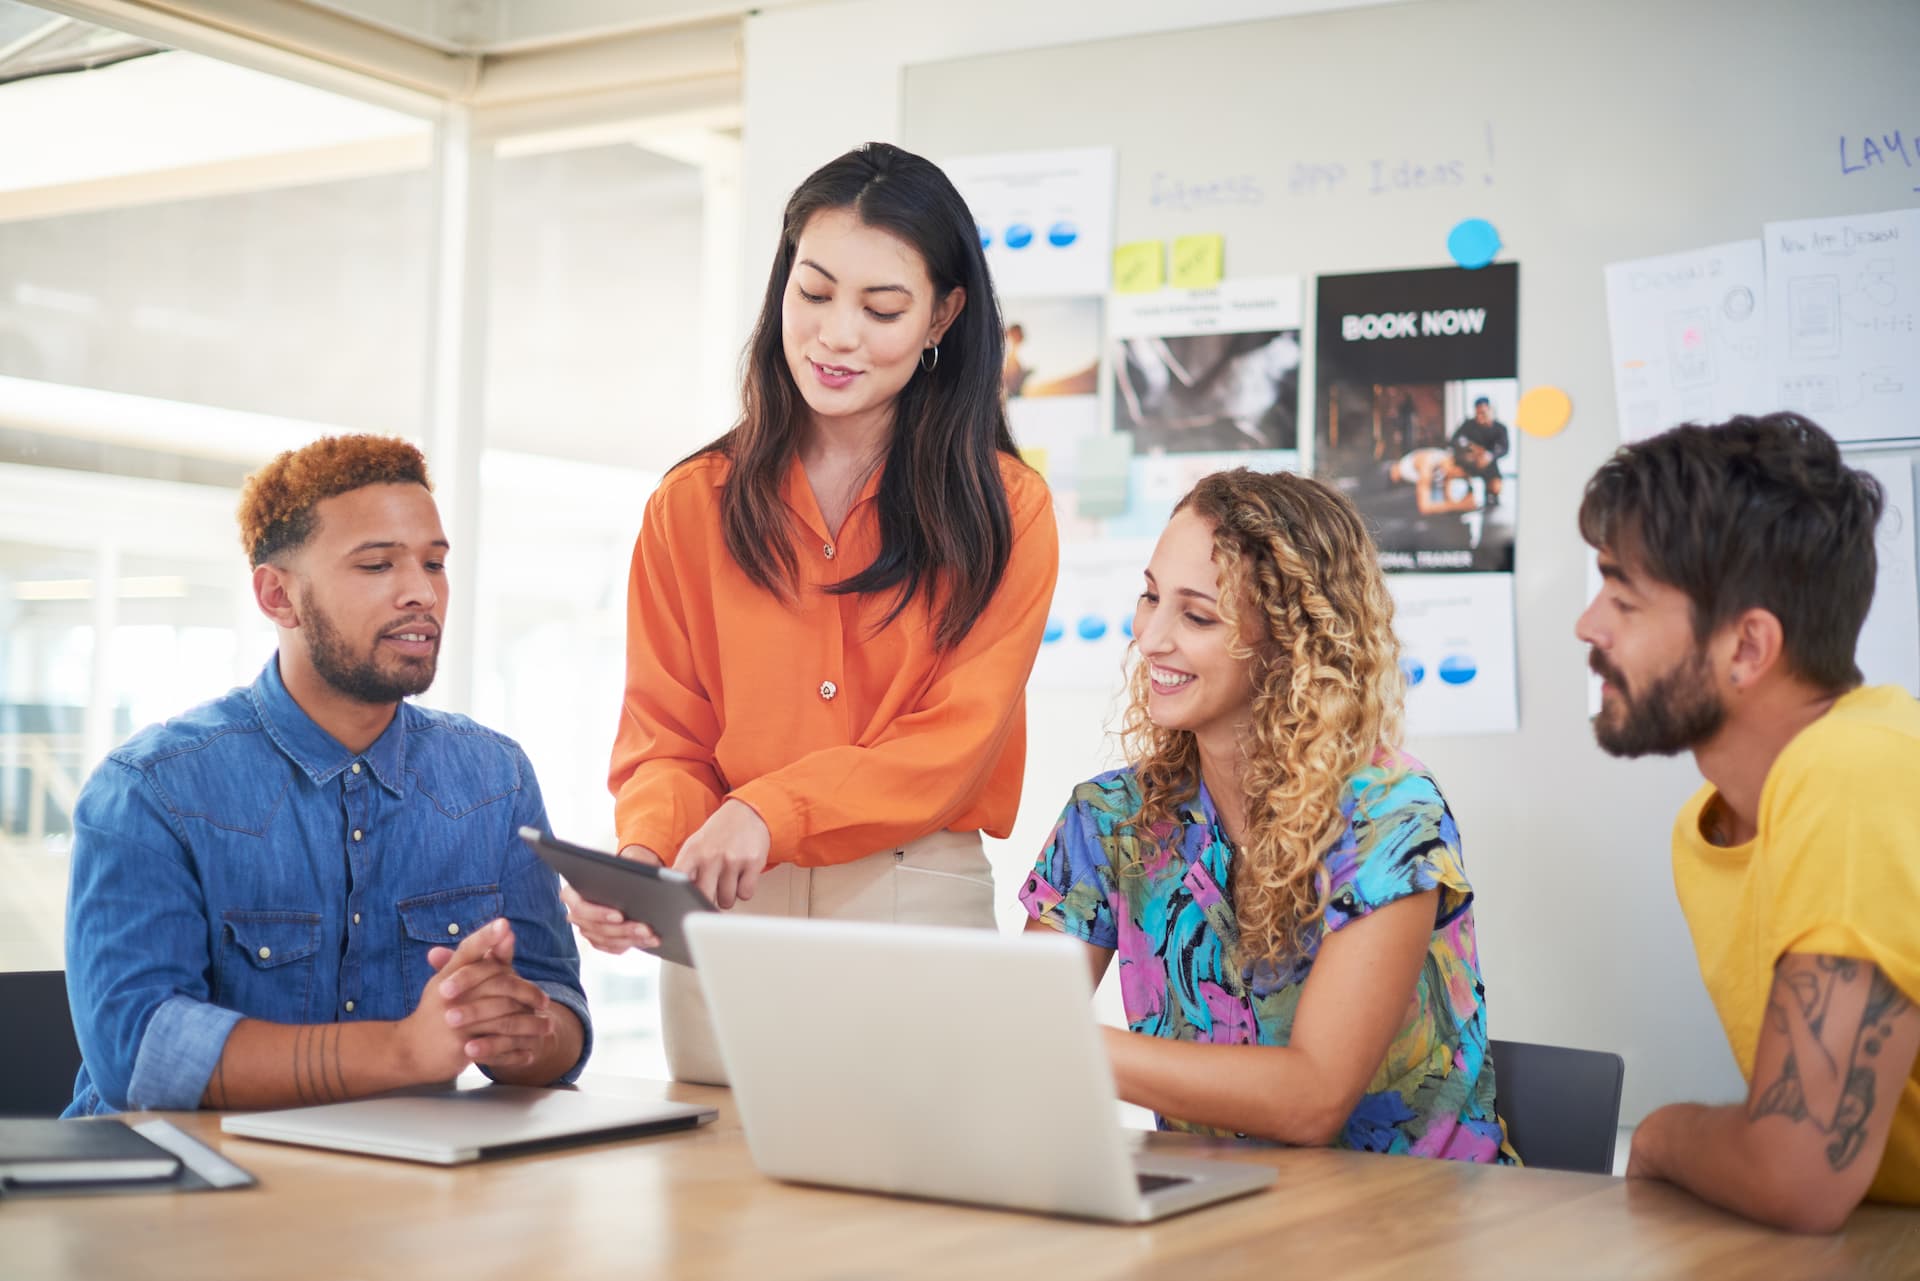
[(183, 1043), (137, 958), (1067, 887)]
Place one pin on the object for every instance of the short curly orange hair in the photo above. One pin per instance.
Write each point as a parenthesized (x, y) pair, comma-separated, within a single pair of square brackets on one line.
[(277, 502)]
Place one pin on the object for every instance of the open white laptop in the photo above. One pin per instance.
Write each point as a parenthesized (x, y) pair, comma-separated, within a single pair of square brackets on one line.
[(953, 1064), (445, 1126)]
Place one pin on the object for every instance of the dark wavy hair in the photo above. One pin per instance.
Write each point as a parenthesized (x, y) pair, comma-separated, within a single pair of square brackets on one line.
[(1750, 513), (944, 518)]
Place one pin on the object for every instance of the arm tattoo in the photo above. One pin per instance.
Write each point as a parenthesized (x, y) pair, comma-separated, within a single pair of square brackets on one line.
[(1804, 995), (334, 1063), (317, 1069)]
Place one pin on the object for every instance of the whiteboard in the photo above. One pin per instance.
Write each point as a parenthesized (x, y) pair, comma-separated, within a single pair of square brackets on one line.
[(1588, 134)]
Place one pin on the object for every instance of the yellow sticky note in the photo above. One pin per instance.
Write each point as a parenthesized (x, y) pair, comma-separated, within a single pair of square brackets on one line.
[(1544, 411), (1139, 267), (1035, 457), (1198, 261)]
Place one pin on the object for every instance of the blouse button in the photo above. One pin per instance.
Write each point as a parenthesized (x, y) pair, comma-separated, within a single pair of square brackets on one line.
[(828, 689), (453, 927), (827, 551), (349, 1007), (265, 953)]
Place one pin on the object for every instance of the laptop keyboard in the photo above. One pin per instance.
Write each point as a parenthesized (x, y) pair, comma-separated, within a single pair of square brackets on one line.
[(1154, 1182)]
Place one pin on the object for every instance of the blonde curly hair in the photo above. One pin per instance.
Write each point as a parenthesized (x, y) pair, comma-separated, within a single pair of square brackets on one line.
[(1303, 598)]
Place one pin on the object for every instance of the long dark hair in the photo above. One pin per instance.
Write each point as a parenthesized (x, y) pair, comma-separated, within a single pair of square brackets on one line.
[(942, 505)]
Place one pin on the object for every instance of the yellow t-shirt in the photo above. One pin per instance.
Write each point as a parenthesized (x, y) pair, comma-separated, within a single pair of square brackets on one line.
[(1835, 869)]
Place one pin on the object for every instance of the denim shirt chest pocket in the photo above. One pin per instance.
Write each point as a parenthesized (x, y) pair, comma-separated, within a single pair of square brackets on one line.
[(442, 919), (265, 962)]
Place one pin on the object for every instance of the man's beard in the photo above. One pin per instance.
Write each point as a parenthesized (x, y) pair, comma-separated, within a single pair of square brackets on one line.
[(360, 677), (1676, 711)]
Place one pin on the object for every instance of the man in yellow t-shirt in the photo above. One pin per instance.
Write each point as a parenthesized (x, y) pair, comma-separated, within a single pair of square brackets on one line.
[(1739, 564)]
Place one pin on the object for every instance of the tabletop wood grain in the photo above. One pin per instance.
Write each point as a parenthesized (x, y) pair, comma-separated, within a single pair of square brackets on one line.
[(692, 1205)]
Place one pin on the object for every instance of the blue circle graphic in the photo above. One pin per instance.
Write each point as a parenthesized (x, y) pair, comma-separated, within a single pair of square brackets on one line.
[(1055, 630), (1458, 669), (1126, 628), (1473, 242), (986, 237), (1414, 670), (1062, 234), (1019, 236), (1091, 627)]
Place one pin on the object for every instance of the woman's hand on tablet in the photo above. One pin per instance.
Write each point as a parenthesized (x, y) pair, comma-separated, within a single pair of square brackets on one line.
[(607, 928), (726, 856)]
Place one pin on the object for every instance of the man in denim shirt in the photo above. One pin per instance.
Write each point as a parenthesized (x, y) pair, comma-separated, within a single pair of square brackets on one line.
[(310, 889)]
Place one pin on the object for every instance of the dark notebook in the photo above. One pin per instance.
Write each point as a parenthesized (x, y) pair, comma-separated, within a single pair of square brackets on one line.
[(103, 1151)]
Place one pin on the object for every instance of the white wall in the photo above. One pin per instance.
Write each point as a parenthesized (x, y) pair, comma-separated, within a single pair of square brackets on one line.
[(825, 77)]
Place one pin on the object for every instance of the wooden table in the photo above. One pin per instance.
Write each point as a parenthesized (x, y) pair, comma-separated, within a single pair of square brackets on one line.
[(693, 1206)]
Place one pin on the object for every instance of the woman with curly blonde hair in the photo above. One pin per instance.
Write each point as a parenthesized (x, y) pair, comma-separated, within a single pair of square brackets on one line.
[(1283, 885)]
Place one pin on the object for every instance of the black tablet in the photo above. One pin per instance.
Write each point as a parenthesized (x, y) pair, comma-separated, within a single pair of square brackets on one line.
[(655, 896)]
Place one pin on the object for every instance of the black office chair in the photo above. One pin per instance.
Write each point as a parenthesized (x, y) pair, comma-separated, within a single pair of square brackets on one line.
[(37, 1068), (1561, 1106)]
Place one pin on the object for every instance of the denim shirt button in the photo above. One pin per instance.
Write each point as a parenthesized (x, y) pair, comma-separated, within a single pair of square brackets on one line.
[(349, 1007), (453, 927), (265, 953), (356, 767), (356, 833)]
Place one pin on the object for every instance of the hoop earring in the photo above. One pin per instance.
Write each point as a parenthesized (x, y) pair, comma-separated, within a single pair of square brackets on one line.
[(935, 349)]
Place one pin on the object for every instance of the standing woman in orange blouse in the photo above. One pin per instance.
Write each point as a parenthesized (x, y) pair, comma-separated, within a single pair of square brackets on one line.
[(835, 606)]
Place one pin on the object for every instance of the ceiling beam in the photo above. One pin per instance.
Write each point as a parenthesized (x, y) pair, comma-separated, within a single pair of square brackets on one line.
[(287, 38), (689, 68), (609, 116), (616, 63)]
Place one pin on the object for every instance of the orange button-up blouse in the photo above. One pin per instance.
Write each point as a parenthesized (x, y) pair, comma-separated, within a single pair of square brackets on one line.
[(846, 740)]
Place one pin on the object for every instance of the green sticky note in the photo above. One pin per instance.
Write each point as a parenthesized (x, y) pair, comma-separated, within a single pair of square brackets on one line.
[(1105, 463), (1198, 261), (1139, 267)]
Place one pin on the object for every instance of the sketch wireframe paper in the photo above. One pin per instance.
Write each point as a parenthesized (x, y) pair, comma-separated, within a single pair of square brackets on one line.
[(1689, 337), (1889, 648), (1844, 322)]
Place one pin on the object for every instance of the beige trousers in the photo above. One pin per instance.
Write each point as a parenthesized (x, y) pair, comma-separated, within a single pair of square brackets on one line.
[(942, 879)]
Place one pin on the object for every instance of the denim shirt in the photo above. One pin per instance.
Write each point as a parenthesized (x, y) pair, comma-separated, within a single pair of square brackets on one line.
[(238, 862)]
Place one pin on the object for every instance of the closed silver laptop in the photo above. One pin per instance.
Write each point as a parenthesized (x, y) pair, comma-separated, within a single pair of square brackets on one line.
[(444, 1126), (958, 1065)]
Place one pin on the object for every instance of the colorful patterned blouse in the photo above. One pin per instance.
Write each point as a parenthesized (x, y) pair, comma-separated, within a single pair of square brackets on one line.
[(1171, 920)]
